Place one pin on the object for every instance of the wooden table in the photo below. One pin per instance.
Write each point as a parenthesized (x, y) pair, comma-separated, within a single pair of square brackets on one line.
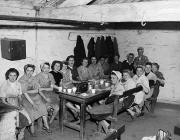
[(83, 101)]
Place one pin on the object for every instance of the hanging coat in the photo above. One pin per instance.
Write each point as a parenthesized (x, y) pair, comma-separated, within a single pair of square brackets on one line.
[(79, 51), (103, 47), (98, 47), (109, 46), (91, 48), (109, 49), (115, 44)]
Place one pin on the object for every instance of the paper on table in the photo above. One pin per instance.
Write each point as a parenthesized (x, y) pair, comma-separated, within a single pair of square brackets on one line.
[(84, 94)]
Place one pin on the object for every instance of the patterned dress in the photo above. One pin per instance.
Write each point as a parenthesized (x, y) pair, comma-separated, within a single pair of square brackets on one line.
[(47, 83), (28, 84)]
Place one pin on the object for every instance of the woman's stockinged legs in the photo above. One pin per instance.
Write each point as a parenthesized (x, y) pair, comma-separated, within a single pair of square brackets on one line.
[(104, 125), (56, 109), (45, 121), (32, 128), (72, 107), (132, 113), (46, 125)]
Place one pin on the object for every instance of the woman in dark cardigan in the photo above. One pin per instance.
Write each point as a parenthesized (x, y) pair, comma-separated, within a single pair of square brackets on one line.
[(56, 67)]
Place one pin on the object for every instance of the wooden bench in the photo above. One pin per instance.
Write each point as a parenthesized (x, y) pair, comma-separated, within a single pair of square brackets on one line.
[(125, 94)]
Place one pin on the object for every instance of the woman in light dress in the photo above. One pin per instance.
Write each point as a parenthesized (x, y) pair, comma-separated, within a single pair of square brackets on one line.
[(11, 94), (47, 85), (33, 100)]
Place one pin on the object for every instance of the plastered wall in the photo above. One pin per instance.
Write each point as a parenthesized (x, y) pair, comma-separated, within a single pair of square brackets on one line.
[(162, 46), (44, 45)]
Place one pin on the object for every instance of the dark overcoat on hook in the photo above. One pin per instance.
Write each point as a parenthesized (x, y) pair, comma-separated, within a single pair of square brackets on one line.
[(79, 51), (91, 48), (109, 48), (115, 44), (98, 47)]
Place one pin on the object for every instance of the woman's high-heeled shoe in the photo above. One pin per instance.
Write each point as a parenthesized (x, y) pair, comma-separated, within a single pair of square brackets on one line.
[(47, 130)]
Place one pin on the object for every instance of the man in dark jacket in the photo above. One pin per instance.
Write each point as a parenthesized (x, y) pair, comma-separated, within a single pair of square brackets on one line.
[(116, 65), (129, 63)]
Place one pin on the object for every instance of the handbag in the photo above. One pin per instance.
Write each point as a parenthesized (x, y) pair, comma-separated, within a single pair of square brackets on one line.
[(82, 87)]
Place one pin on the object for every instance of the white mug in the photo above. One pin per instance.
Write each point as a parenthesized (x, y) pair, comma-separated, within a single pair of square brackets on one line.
[(101, 82), (60, 89), (106, 84), (74, 89), (69, 90), (93, 91), (64, 90)]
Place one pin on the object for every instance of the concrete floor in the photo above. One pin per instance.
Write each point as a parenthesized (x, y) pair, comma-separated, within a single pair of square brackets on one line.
[(165, 117)]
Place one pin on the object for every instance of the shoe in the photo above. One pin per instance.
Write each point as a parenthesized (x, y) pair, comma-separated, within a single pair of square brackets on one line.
[(47, 130), (114, 119), (132, 116), (140, 114), (111, 130), (32, 134)]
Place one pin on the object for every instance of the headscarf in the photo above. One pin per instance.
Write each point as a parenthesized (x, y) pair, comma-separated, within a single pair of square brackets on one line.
[(118, 74)]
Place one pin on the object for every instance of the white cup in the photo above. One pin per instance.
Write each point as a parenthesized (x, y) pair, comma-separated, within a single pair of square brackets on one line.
[(69, 90), (90, 87), (101, 82), (74, 89), (64, 90), (60, 89), (106, 84), (93, 91)]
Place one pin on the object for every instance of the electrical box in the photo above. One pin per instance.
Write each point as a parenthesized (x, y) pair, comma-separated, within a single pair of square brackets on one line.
[(13, 49)]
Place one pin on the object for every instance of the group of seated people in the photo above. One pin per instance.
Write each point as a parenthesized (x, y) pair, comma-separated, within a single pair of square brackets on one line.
[(35, 96)]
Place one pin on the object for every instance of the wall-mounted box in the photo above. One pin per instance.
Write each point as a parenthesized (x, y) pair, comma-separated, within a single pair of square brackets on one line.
[(13, 49)]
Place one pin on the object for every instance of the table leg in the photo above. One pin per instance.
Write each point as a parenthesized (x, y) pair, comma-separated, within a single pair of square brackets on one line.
[(82, 121), (61, 113)]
